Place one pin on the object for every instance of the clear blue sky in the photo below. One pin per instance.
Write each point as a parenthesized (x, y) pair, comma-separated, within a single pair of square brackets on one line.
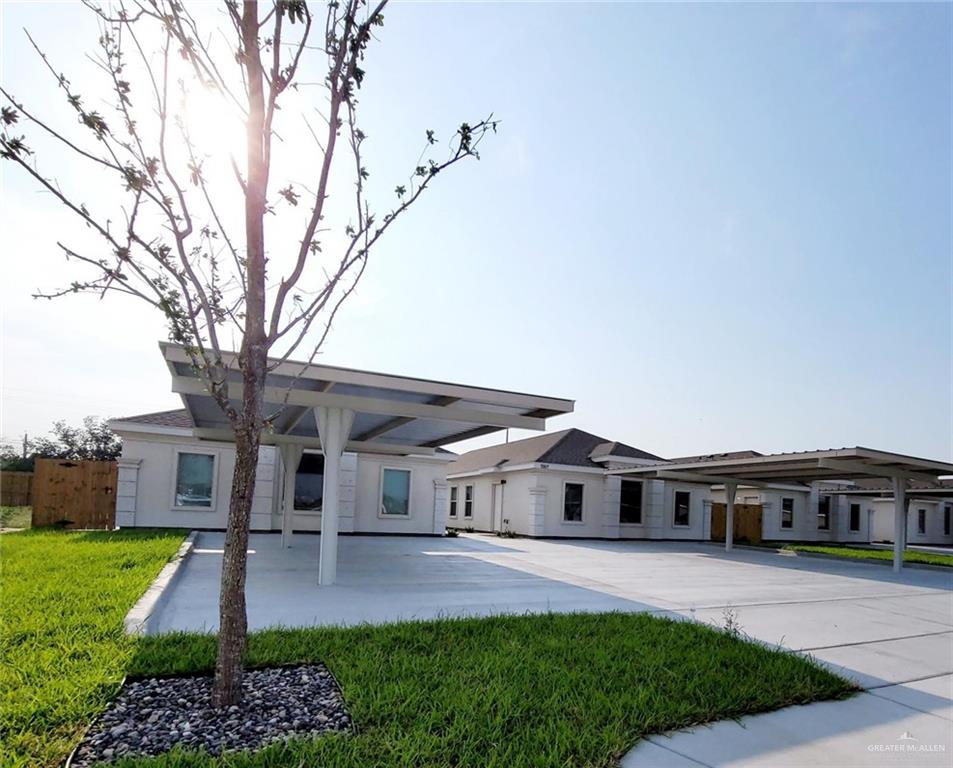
[(716, 227)]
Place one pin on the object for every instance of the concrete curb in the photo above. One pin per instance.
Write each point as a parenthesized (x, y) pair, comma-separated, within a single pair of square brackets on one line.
[(137, 619)]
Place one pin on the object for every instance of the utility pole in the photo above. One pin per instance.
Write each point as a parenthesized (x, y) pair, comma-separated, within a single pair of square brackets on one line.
[(26, 443)]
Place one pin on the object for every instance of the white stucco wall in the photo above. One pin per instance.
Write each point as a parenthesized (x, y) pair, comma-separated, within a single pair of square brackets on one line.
[(147, 478), (533, 504), (884, 518), (155, 484)]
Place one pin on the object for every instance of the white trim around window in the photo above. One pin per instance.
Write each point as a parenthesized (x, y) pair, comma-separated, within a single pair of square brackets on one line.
[(454, 493), (380, 496), (173, 491), (582, 504), (676, 492), (468, 502)]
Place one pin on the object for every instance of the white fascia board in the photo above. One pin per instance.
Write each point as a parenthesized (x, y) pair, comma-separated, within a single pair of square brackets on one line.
[(174, 353), (132, 427)]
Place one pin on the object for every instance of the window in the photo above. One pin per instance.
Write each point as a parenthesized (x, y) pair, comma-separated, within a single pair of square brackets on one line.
[(194, 480), (854, 522), (572, 502), (309, 482), (453, 501), (682, 517), (947, 513), (823, 513), (395, 492), (921, 521), (787, 513), (468, 501), (630, 505)]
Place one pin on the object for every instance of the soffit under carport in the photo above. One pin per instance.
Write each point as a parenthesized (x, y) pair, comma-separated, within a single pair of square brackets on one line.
[(394, 413)]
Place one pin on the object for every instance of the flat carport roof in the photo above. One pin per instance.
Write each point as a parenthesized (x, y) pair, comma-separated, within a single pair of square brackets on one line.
[(343, 409), (807, 467)]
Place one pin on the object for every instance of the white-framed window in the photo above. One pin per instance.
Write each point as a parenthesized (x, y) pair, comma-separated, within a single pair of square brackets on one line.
[(921, 521), (395, 492), (854, 521), (194, 481), (453, 501), (309, 482), (468, 501), (823, 513), (787, 512), (572, 502), (630, 503), (681, 514)]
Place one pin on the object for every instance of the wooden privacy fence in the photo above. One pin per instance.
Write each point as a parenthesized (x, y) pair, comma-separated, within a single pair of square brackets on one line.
[(81, 492), (16, 489), (747, 525)]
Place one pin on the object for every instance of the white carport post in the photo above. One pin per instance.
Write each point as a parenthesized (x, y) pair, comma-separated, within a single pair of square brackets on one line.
[(334, 428), (730, 491), (290, 458), (899, 521)]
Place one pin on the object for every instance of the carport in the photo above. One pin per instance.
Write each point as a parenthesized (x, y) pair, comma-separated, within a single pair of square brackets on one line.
[(342, 409), (841, 465)]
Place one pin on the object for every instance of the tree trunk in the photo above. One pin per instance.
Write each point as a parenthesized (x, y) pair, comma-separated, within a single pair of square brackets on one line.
[(232, 615), (253, 359)]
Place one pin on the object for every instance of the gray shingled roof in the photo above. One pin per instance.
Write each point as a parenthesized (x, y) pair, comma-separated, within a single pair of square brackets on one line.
[(177, 418), (570, 447)]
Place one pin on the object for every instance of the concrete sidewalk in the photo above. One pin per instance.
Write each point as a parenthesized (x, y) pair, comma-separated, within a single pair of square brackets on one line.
[(891, 633)]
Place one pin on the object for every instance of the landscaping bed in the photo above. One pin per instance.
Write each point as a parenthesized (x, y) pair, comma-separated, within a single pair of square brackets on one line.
[(152, 715), (63, 650), (865, 553)]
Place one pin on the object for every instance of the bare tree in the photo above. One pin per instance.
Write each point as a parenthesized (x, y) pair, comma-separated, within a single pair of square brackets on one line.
[(171, 238)]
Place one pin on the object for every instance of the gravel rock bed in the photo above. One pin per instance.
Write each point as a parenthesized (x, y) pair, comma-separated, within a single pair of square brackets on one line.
[(151, 716)]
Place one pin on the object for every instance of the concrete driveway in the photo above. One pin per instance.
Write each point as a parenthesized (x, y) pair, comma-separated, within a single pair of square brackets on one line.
[(892, 634)]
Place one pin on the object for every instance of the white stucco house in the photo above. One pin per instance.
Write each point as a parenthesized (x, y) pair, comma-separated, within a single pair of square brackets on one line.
[(558, 485)]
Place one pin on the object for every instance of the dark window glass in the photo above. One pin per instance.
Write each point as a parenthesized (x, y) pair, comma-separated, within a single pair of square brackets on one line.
[(855, 517), (193, 480), (572, 502), (921, 521), (682, 506), (630, 506), (787, 513), (947, 513), (823, 513), (453, 501), (309, 482), (395, 493), (468, 501)]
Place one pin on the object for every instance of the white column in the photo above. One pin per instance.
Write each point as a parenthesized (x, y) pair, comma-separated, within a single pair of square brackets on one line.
[(730, 490), (899, 521), (290, 457), (127, 490), (334, 428)]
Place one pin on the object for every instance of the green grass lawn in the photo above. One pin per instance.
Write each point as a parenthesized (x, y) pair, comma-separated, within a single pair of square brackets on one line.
[(861, 553), (550, 690), (63, 653), (15, 517)]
